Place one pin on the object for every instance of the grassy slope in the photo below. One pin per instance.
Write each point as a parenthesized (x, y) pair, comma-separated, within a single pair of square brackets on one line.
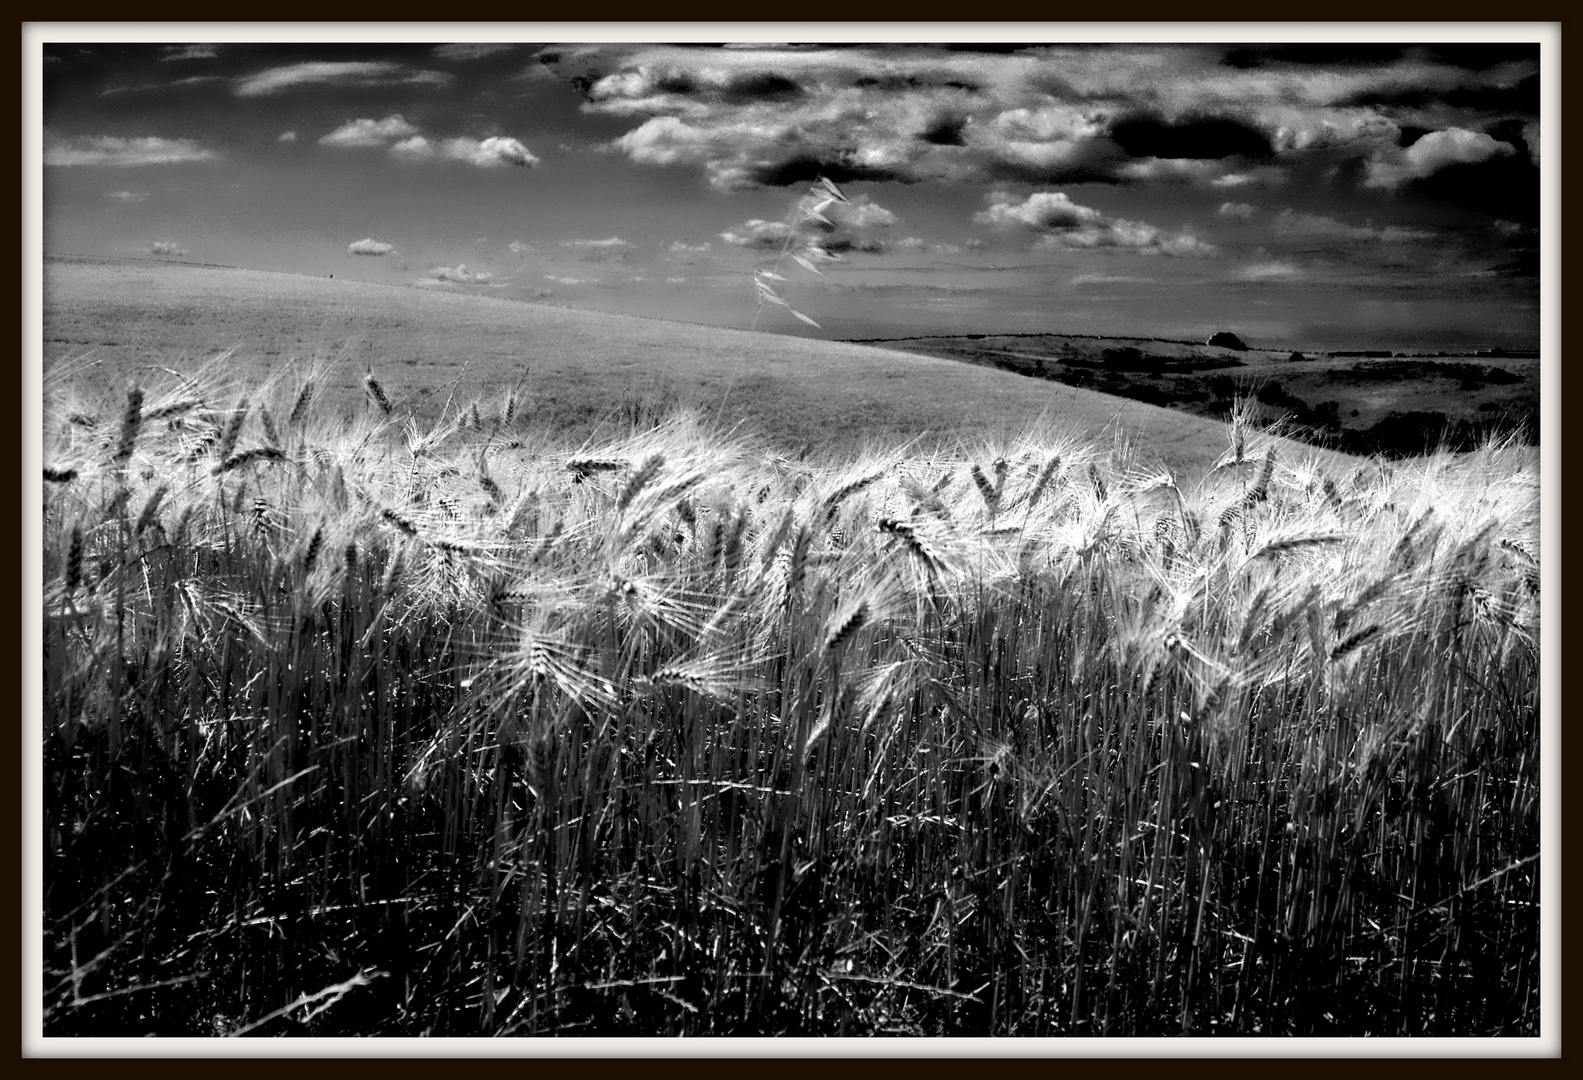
[(578, 365)]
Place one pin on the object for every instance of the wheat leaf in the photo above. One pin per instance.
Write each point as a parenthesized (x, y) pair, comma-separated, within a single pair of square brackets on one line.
[(803, 317), (806, 265)]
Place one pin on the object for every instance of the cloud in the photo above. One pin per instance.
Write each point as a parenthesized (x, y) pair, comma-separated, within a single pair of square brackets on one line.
[(562, 280), (1531, 140), (332, 73), (1189, 137), (679, 248), (287, 137), (1262, 177), (1240, 210), (518, 248), (187, 52), (1110, 279), (1171, 171), (416, 148), (161, 86), (470, 50), (112, 150), (365, 132), (1272, 271), (369, 246), (405, 141), (1292, 223), (129, 196), (167, 247), (1043, 210), (1130, 113), (861, 214), (758, 234), (1396, 166), (1061, 223), (486, 153), (611, 249), (460, 275)]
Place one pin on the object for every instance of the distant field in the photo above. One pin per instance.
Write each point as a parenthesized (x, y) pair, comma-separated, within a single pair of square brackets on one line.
[(578, 367), (1362, 404)]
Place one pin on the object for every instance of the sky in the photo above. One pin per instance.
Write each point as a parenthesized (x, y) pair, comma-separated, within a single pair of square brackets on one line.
[(1304, 195)]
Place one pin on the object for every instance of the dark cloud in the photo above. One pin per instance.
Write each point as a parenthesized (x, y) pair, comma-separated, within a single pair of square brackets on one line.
[(1206, 116), (1520, 95), (1321, 54), (760, 86), (1506, 187), (806, 168), (945, 131), (896, 83), (1209, 137)]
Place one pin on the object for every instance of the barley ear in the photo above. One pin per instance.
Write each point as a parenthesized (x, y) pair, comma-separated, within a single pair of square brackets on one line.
[(377, 393), (74, 557), (131, 421), (233, 430)]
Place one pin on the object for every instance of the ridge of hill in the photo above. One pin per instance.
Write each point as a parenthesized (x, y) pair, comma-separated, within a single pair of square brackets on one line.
[(577, 367)]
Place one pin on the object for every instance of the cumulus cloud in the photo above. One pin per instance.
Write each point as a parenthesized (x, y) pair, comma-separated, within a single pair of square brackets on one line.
[(366, 132), (563, 280), (129, 196), (335, 73), (679, 248), (1062, 223), (287, 137), (167, 247), (1396, 166), (518, 248), (369, 246), (416, 148), (607, 242), (459, 275), (113, 150), (1043, 210), (1240, 210), (862, 214), (490, 152)]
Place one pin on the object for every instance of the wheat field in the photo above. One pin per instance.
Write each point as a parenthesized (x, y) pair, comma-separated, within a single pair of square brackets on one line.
[(371, 724)]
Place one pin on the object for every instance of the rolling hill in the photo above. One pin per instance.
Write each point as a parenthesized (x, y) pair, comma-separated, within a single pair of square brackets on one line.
[(577, 367)]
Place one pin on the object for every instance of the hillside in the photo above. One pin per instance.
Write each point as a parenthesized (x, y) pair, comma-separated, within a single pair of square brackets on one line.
[(577, 367)]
